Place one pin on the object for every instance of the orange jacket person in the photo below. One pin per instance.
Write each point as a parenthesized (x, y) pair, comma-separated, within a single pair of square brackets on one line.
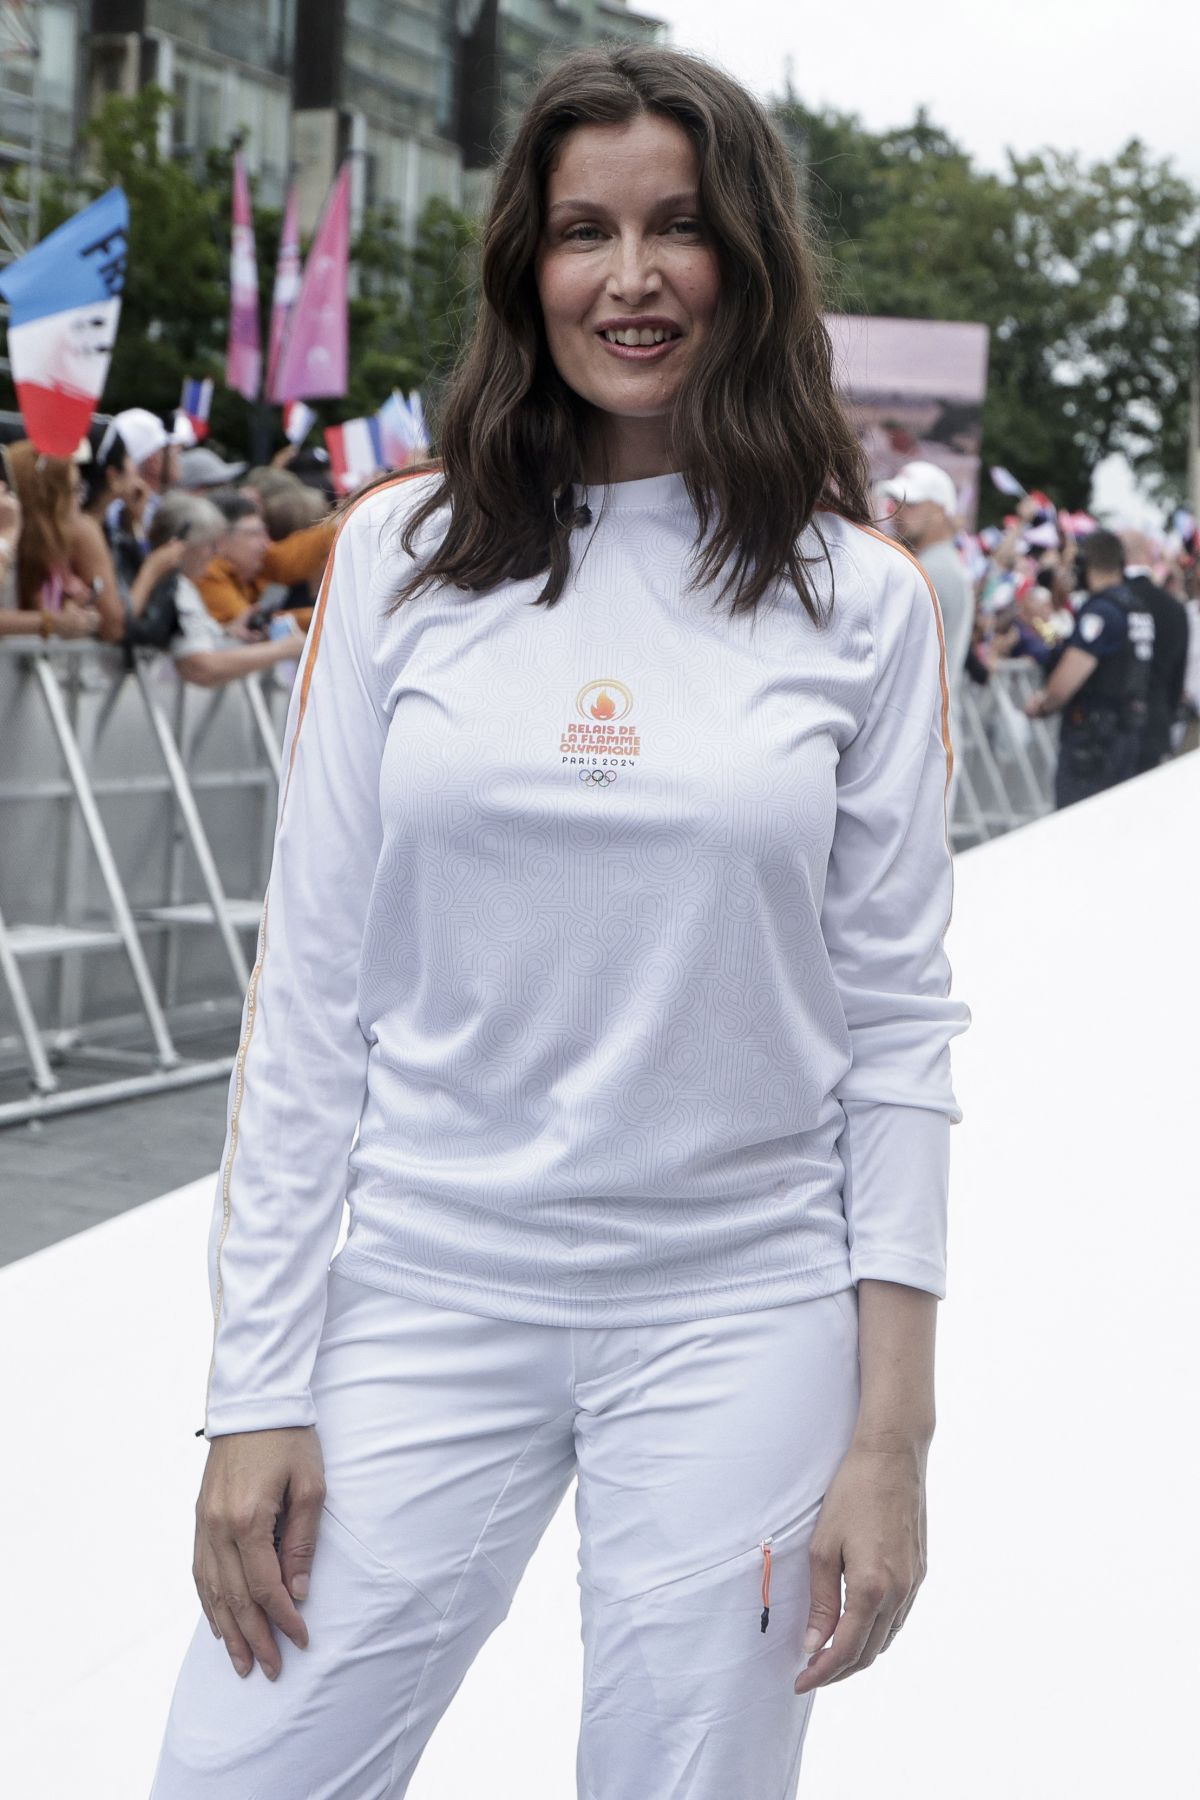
[(249, 562)]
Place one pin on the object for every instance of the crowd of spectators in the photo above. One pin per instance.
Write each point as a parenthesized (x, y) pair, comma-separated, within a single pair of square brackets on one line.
[(1110, 618), (143, 538)]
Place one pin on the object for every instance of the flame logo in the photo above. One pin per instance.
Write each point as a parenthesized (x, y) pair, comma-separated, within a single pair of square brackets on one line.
[(604, 701)]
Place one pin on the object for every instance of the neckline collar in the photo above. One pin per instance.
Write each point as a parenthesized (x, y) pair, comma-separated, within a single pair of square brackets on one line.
[(650, 494)]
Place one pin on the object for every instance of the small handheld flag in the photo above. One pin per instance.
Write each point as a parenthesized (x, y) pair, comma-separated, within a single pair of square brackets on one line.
[(1076, 524), (65, 302), (355, 452), (298, 421), (402, 428), (1006, 482), (195, 403)]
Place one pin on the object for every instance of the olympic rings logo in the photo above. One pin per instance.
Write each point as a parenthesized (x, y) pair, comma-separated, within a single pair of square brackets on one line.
[(598, 777)]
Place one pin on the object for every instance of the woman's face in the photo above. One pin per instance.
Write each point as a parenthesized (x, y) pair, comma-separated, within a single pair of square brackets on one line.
[(121, 481), (625, 251)]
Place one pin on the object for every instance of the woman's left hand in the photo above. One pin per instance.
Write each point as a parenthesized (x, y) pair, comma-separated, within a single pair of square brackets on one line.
[(872, 1527)]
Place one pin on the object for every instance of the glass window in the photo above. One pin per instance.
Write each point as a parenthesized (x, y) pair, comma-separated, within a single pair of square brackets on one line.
[(56, 29)]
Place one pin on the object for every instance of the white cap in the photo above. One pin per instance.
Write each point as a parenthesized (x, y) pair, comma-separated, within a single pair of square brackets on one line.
[(202, 467), (142, 433), (919, 481)]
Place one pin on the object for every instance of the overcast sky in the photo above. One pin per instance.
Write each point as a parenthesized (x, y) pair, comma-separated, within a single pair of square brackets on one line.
[(1077, 74)]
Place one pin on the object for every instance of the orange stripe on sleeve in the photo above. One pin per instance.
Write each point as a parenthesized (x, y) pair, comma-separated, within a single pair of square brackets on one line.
[(318, 619), (937, 613)]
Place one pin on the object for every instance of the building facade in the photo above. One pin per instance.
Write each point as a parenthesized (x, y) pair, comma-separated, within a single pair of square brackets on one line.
[(422, 89), (41, 97)]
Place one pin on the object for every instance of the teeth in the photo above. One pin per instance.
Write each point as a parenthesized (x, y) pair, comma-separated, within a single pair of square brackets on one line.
[(633, 336)]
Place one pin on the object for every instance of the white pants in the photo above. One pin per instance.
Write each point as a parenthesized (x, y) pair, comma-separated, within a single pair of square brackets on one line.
[(449, 1440)]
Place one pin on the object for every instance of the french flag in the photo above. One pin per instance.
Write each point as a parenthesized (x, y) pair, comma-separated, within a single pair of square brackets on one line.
[(65, 302), (355, 452), (404, 432), (195, 403), (298, 421)]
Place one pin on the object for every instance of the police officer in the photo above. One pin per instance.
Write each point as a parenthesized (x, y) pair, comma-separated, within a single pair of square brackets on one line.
[(1167, 671), (1100, 679)]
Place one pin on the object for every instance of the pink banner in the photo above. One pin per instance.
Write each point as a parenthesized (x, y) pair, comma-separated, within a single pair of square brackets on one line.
[(243, 356), (314, 362), (287, 287), (915, 389)]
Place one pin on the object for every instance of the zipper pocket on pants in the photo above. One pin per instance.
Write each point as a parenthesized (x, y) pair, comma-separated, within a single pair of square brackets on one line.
[(765, 1547)]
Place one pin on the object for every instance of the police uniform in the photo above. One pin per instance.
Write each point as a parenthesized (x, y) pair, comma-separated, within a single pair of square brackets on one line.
[(1103, 723)]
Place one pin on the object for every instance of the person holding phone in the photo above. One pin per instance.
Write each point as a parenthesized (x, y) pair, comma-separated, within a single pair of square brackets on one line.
[(602, 966)]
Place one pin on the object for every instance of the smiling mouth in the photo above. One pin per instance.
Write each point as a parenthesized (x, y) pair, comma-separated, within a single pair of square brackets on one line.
[(648, 344), (644, 337)]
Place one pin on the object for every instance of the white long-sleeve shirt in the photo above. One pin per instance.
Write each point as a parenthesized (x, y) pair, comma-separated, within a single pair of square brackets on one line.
[(617, 929)]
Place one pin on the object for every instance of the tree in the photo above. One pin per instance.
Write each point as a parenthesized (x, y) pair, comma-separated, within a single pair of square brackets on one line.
[(1082, 273), (414, 305), (1116, 242)]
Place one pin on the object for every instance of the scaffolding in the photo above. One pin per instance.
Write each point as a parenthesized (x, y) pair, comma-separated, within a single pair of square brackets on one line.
[(20, 125)]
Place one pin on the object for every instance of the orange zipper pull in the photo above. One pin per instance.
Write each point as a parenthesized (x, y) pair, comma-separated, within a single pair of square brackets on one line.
[(766, 1584)]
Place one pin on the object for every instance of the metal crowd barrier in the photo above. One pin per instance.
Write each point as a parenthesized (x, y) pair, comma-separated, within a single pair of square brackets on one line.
[(131, 868), (1004, 762)]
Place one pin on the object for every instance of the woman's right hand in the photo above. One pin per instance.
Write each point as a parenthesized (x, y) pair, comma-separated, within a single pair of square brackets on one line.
[(254, 1479), (76, 621)]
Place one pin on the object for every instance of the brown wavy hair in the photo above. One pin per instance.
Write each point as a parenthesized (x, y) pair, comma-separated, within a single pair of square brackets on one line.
[(757, 429), (45, 486)]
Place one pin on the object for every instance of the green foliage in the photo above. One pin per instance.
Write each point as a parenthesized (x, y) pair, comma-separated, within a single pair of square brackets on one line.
[(1085, 275), (1116, 245), (413, 308)]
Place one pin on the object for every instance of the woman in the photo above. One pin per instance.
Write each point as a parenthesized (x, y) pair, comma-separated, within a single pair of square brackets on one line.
[(70, 620), (64, 560), (609, 891), (109, 477), (115, 499), (49, 490)]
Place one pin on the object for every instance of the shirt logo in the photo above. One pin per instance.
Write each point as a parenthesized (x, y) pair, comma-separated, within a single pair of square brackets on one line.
[(602, 737), (606, 701)]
